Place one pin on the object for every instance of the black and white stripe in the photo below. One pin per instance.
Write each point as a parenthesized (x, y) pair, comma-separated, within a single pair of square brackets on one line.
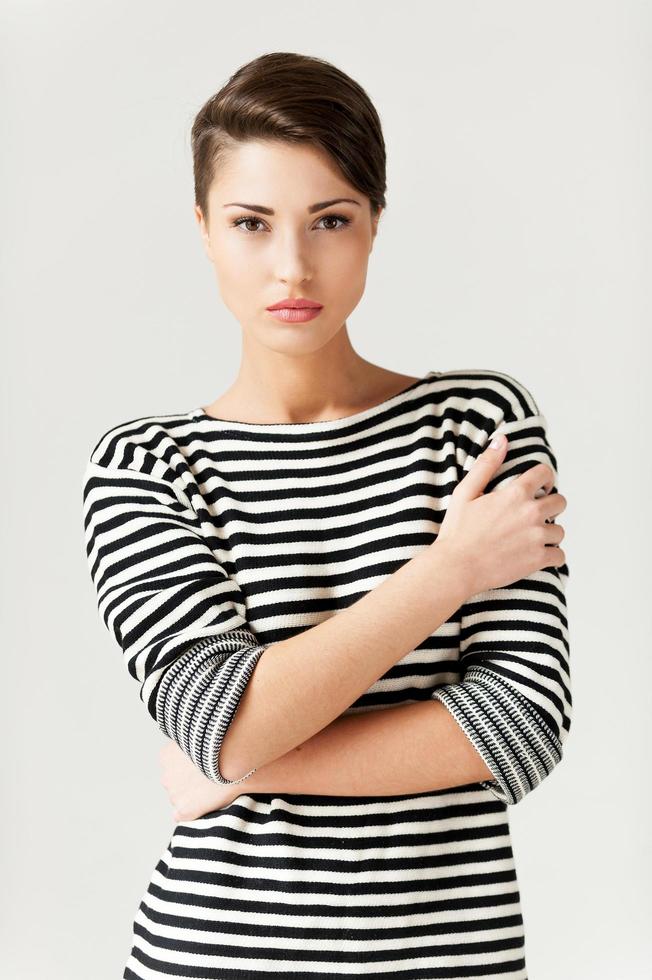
[(208, 541)]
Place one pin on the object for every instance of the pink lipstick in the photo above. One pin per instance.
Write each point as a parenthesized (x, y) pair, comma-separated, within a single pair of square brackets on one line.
[(295, 310)]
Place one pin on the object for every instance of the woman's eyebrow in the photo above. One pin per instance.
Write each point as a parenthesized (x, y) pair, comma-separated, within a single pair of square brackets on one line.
[(313, 207)]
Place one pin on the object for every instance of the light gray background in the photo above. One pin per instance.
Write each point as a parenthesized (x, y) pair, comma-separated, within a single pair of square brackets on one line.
[(517, 238)]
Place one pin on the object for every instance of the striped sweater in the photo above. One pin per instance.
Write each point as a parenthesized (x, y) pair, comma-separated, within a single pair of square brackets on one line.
[(209, 540)]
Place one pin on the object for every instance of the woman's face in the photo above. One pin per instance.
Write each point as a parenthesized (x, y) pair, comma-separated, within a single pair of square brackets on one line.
[(261, 258)]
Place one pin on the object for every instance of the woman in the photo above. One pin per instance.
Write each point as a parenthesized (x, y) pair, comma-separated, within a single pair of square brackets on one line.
[(315, 565)]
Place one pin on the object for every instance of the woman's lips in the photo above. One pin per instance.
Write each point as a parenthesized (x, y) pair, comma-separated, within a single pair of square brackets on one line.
[(289, 314)]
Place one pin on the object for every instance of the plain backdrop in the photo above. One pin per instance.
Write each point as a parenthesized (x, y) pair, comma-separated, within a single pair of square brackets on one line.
[(517, 237)]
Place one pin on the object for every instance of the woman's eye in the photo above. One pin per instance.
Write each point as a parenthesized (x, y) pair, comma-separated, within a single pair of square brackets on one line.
[(246, 221), (336, 217)]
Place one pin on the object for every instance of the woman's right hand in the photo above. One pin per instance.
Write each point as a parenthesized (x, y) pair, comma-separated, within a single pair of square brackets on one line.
[(501, 537)]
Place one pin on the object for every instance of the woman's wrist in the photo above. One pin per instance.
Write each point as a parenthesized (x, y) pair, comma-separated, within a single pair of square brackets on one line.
[(262, 781), (442, 559)]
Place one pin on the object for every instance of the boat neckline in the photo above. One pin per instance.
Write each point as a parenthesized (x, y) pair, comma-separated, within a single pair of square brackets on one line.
[(201, 413)]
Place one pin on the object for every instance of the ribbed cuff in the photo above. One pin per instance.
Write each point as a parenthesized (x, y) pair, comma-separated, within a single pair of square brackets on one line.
[(200, 693), (512, 739)]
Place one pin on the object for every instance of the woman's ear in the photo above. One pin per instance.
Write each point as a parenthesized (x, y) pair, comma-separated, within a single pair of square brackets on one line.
[(203, 231), (374, 227)]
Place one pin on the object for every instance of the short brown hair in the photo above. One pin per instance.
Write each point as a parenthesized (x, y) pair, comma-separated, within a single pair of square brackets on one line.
[(298, 99)]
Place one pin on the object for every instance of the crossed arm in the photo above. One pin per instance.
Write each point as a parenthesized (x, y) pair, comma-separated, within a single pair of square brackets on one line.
[(408, 749), (179, 617), (403, 750)]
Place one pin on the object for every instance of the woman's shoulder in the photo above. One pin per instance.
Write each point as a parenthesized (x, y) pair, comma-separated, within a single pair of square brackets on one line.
[(133, 437), (487, 390)]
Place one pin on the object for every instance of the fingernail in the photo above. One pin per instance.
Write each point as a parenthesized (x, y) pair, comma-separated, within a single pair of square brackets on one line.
[(497, 441)]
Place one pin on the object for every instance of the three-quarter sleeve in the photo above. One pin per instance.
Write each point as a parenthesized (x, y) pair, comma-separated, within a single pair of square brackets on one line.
[(513, 700), (178, 618)]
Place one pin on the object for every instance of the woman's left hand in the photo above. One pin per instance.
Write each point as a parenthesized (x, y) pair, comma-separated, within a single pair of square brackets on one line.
[(190, 792)]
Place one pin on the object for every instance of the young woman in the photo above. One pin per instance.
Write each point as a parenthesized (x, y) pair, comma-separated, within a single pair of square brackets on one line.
[(357, 651)]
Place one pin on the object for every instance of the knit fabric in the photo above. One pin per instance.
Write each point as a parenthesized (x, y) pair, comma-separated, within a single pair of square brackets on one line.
[(210, 540)]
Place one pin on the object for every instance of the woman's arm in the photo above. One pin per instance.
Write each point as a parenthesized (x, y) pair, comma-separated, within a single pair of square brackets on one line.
[(411, 748), (408, 749), (302, 684)]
